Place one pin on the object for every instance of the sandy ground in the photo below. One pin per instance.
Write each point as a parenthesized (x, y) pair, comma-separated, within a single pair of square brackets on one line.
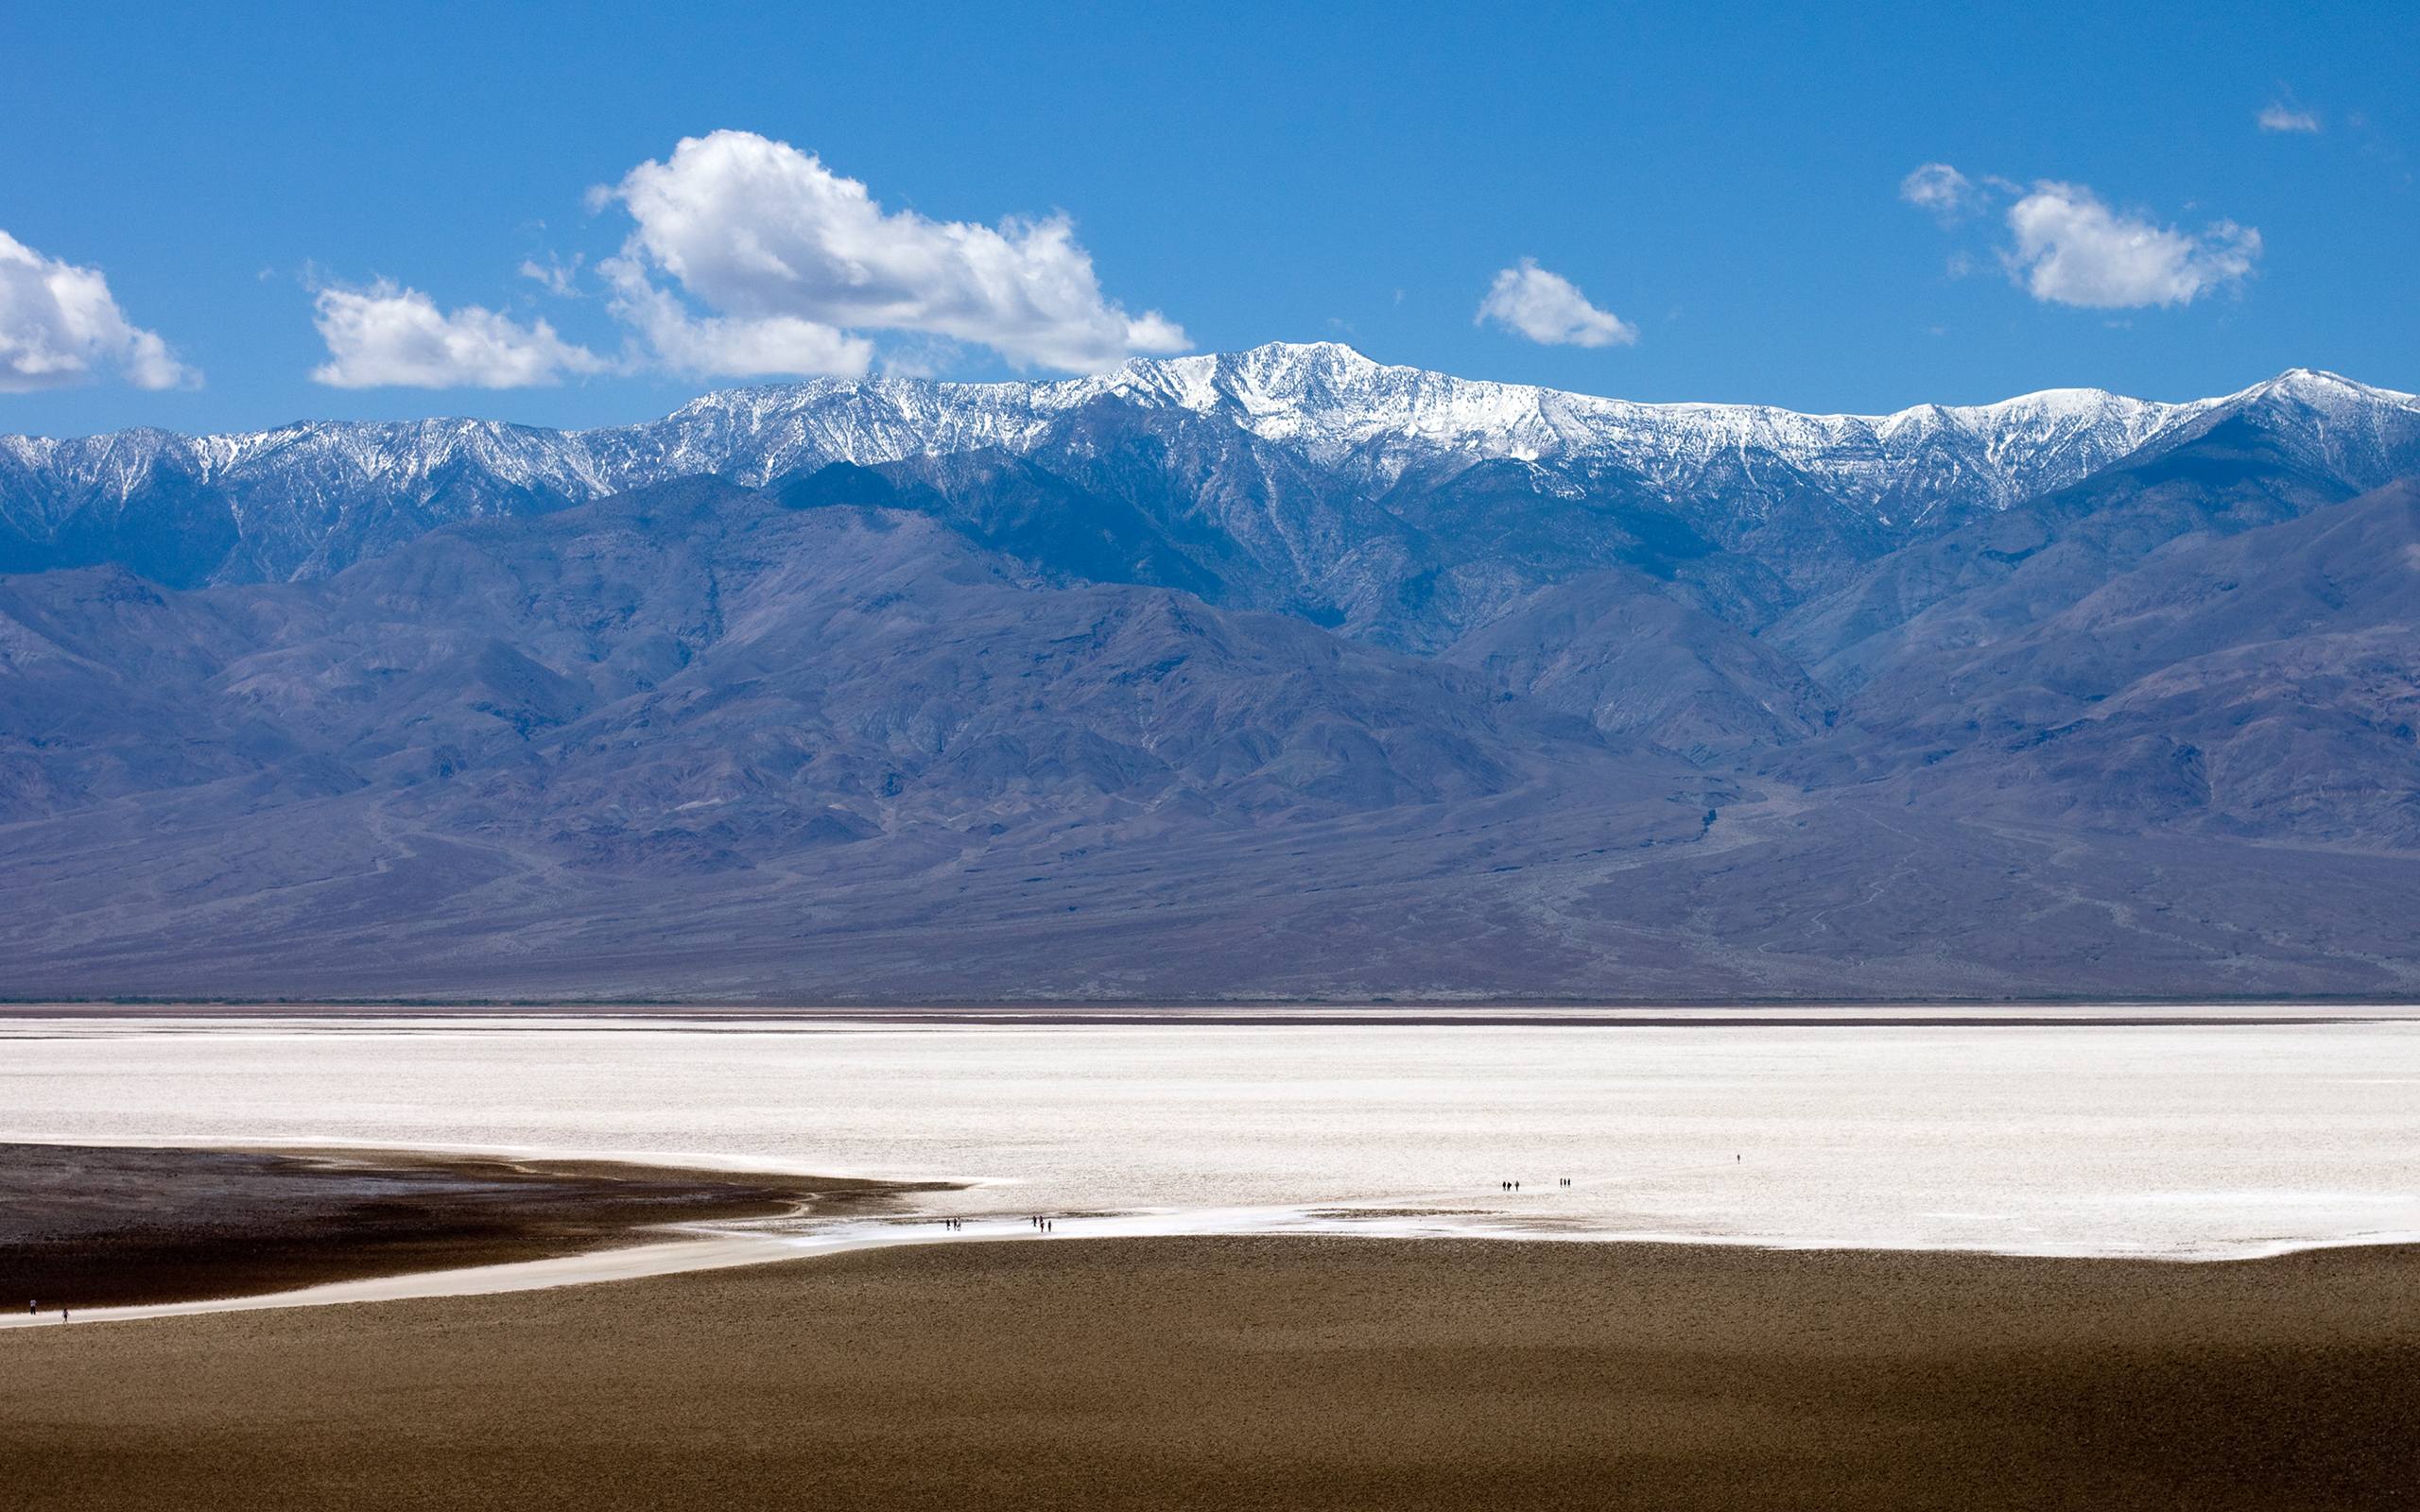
[(89, 1227), (1268, 1373)]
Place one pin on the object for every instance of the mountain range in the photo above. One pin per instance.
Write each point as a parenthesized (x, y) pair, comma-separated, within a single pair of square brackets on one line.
[(1278, 674)]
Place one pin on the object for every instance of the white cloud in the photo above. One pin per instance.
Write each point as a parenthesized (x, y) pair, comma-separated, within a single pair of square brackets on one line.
[(59, 326), (554, 275), (921, 357), (788, 256), (2072, 248), (1940, 189), (730, 346), (2278, 117), (1549, 308), (386, 334)]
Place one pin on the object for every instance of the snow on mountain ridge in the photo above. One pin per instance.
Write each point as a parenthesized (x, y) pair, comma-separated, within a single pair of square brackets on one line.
[(1341, 409), (1368, 421)]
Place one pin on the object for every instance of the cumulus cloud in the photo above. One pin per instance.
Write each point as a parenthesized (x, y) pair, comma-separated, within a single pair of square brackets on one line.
[(2072, 248), (1939, 189), (2279, 116), (1550, 309), (787, 257), (742, 346), (59, 326), (389, 335)]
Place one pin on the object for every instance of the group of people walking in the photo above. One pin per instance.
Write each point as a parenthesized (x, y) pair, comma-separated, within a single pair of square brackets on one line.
[(1038, 1223)]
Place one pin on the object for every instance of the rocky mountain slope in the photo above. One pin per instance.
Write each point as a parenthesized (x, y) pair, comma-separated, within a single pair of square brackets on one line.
[(1273, 674)]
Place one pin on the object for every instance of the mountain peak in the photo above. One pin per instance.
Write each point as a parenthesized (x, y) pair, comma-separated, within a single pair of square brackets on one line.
[(1327, 353), (2318, 387), (1290, 369), (307, 498)]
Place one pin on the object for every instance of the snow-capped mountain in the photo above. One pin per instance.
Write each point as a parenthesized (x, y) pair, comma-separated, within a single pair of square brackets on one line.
[(1342, 410), (1280, 672), (308, 499)]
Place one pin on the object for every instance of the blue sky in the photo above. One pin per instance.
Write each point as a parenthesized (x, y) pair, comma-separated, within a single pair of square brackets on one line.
[(1713, 201)]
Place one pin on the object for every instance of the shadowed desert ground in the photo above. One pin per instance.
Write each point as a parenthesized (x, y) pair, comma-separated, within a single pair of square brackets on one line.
[(1292, 1372), (98, 1226)]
